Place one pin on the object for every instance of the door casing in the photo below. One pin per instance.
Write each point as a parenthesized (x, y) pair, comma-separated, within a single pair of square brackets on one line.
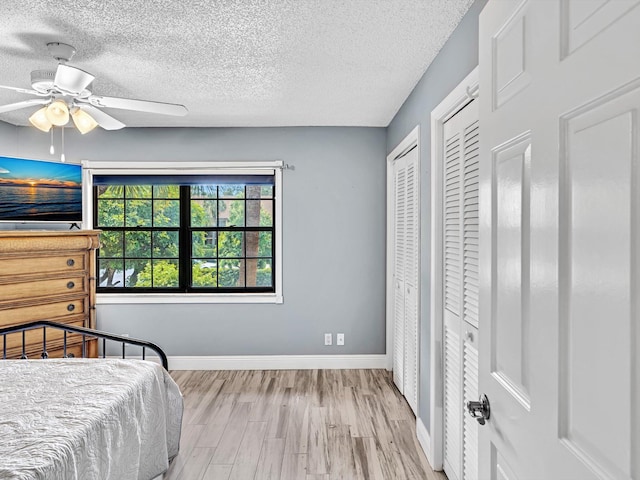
[(411, 141)]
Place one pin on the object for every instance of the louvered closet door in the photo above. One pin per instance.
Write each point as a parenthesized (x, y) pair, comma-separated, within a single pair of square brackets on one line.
[(406, 276), (460, 287), (399, 242), (412, 284)]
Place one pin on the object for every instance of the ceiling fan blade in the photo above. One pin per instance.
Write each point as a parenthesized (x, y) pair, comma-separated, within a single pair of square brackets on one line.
[(105, 120), (25, 104), (24, 90), (138, 105), (71, 80)]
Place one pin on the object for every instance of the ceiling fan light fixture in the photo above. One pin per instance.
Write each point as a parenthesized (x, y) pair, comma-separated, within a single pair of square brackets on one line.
[(40, 120), (58, 113), (83, 121)]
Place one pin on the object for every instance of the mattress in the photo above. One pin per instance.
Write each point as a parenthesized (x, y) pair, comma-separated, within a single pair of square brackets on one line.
[(85, 419)]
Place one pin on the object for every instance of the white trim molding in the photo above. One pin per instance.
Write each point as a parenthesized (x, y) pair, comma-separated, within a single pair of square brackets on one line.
[(424, 439), (184, 298), (454, 102), (273, 167), (412, 139), (277, 362)]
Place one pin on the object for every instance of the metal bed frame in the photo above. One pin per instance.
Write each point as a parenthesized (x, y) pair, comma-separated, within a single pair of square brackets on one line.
[(87, 334)]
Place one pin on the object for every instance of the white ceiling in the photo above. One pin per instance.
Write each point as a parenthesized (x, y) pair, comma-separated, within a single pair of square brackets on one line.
[(234, 62)]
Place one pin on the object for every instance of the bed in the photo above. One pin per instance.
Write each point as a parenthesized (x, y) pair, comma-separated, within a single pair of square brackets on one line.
[(83, 419)]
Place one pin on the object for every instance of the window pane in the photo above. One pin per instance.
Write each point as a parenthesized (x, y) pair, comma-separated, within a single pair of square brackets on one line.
[(111, 244), (258, 244), (231, 273), (254, 191), (137, 244), (110, 213), (230, 244), (166, 244), (165, 274), (166, 191), (204, 244), (267, 191), (259, 273), (133, 269), (138, 213), (138, 191), (231, 213), (204, 213), (231, 191), (259, 213), (111, 273), (166, 213), (204, 273), (265, 274), (266, 244), (110, 191), (204, 191)]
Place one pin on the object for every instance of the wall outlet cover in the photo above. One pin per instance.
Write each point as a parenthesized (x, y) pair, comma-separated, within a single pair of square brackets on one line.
[(340, 339), (328, 339)]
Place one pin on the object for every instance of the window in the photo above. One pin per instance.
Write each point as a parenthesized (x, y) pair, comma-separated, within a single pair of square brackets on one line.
[(186, 233)]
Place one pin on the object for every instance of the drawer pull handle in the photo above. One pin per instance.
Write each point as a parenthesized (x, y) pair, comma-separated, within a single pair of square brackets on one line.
[(71, 262), (71, 307), (70, 285)]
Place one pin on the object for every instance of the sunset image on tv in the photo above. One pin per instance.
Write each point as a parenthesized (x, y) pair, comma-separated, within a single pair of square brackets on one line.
[(32, 190)]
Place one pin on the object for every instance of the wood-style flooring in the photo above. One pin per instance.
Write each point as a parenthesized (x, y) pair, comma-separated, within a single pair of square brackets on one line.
[(296, 425)]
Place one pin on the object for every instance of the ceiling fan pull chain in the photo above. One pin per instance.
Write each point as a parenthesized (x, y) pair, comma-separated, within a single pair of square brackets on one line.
[(62, 157), (52, 150)]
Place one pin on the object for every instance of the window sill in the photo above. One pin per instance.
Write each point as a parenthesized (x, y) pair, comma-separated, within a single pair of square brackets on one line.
[(183, 298)]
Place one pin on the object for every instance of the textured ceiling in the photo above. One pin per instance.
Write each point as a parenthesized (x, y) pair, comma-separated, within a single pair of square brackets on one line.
[(234, 63)]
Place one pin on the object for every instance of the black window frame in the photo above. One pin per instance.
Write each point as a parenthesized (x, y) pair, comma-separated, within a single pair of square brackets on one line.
[(185, 253)]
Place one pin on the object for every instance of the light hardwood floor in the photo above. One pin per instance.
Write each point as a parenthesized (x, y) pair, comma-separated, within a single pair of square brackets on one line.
[(296, 425)]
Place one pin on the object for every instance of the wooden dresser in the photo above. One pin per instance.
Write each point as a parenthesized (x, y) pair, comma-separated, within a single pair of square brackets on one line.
[(47, 275)]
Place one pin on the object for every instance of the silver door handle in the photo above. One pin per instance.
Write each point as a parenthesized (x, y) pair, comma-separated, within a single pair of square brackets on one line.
[(480, 410)]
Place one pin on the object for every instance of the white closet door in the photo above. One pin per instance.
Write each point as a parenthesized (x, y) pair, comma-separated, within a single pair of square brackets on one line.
[(400, 212), (406, 275), (470, 290), (460, 289), (412, 281)]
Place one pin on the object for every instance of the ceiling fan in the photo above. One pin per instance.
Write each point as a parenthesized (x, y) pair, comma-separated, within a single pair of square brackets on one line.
[(67, 92)]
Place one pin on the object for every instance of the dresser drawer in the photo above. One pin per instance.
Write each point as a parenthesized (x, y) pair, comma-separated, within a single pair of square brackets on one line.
[(42, 288), (42, 265), (55, 311)]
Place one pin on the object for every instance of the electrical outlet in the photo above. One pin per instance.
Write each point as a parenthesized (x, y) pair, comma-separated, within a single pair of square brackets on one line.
[(328, 340), (339, 338)]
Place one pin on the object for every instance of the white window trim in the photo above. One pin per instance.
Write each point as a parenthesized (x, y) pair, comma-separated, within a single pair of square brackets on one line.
[(92, 168)]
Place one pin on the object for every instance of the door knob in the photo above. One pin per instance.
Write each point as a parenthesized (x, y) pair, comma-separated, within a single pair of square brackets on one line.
[(480, 410)]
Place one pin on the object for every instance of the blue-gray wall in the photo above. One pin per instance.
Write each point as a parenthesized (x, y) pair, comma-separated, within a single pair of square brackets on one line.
[(333, 238), (454, 62)]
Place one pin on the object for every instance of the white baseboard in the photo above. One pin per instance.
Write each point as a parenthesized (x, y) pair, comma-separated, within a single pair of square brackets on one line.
[(277, 362), (269, 362), (424, 439)]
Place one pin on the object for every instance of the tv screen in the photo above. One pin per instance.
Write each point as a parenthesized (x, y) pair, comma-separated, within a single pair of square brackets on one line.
[(38, 191)]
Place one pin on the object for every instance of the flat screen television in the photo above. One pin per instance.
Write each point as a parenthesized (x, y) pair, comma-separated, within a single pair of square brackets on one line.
[(39, 191)]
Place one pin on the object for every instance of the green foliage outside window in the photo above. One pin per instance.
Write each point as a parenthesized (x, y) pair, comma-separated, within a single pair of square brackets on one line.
[(146, 252)]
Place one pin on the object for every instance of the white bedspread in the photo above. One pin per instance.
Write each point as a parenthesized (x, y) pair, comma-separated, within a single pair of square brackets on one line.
[(87, 419)]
